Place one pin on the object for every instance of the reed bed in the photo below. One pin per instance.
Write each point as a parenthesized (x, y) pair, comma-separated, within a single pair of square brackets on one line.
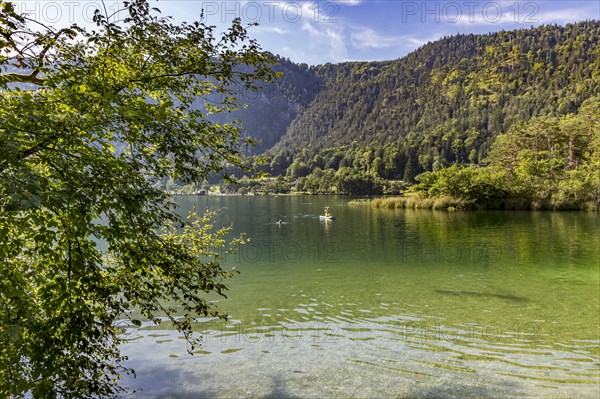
[(439, 203)]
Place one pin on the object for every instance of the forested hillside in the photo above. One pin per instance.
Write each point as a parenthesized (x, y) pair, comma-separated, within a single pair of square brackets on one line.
[(545, 163), (442, 104), (269, 110)]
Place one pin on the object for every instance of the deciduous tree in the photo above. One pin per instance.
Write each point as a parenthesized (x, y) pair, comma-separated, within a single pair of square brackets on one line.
[(88, 118)]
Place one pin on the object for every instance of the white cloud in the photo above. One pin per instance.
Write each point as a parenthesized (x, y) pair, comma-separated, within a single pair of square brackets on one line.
[(364, 38), (311, 29), (349, 2), (412, 42), (512, 12), (327, 38), (270, 29), (367, 39), (563, 16)]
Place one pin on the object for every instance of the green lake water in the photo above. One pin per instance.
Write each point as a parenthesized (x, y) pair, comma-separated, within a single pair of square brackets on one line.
[(390, 304)]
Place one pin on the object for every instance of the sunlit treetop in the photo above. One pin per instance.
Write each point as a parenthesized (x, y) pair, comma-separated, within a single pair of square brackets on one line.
[(89, 119)]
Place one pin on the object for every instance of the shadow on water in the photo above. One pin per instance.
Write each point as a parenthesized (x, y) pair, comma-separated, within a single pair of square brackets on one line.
[(196, 395), (454, 391), (299, 383), (278, 390), (478, 294)]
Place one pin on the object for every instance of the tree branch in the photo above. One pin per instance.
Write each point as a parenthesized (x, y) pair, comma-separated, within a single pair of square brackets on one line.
[(33, 76), (24, 78)]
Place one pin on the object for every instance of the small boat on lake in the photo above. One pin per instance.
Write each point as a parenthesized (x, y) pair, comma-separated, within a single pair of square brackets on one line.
[(327, 214)]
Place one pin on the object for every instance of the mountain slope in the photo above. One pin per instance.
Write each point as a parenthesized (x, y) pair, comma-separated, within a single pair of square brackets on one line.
[(443, 103), (269, 110)]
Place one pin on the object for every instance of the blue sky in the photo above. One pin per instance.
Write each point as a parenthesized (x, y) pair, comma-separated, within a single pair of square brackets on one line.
[(320, 31), (317, 32)]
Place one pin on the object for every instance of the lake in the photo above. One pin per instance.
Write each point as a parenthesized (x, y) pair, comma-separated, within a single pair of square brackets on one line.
[(389, 304)]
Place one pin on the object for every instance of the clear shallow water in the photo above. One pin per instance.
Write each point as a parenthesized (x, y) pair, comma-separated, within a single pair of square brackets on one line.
[(385, 303)]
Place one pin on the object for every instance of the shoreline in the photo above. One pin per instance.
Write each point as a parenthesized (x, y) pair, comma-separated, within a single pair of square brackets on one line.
[(448, 204), (451, 204)]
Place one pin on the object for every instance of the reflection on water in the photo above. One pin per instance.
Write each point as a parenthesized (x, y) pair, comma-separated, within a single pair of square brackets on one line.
[(390, 304)]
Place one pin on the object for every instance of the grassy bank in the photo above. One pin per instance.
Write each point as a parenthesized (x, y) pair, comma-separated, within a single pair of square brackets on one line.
[(447, 203), (441, 203)]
